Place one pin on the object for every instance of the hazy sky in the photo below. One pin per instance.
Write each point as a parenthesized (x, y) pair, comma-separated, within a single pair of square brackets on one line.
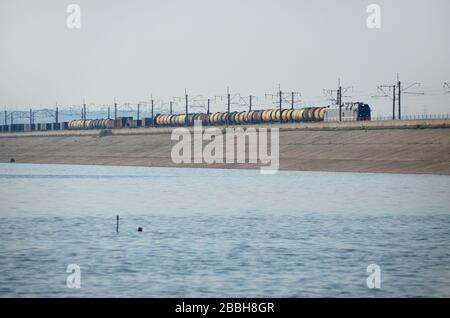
[(130, 49)]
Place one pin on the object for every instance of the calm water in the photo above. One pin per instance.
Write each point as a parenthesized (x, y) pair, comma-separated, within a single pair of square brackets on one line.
[(221, 233)]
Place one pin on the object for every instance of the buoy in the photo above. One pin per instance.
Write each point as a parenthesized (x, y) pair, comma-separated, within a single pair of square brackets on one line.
[(140, 229)]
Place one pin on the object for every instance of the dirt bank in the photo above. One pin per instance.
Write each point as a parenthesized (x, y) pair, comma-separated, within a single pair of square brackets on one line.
[(352, 148)]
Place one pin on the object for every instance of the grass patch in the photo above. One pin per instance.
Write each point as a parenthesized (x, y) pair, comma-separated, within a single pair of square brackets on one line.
[(105, 132)]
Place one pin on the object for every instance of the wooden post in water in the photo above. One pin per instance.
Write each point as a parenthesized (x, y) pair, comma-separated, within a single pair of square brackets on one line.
[(117, 225)]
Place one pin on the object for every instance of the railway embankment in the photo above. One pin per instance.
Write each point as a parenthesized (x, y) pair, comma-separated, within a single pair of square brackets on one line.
[(416, 147)]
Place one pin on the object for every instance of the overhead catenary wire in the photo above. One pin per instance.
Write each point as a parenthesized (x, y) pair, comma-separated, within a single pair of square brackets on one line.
[(34, 113), (340, 91)]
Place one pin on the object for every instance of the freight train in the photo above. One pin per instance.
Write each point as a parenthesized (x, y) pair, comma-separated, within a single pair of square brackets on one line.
[(315, 114), (353, 111)]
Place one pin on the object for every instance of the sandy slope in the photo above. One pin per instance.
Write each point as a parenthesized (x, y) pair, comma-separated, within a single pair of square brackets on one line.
[(378, 149)]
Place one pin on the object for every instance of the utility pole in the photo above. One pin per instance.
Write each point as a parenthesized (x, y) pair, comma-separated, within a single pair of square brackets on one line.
[(115, 111), (84, 111), (339, 98), (279, 96), (138, 105), (399, 100), (153, 116), (31, 116), (6, 118), (229, 105), (230, 100), (340, 91), (171, 105), (191, 102), (209, 103), (56, 114), (109, 112), (339, 95), (397, 91), (294, 99), (187, 108), (244, 103), (281, 102)]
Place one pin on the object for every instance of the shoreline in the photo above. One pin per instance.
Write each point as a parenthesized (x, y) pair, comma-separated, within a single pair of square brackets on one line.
[(230, 168)]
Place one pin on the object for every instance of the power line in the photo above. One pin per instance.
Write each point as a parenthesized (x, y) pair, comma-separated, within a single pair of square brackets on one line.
[(383, 93), (60, 112), (405, 90), (340, 91), (188, 101), (247, 101), (284, 98), (231, 100), (398, 90)]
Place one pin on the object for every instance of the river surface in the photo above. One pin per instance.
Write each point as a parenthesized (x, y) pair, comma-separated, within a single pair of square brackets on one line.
[(221, 233)]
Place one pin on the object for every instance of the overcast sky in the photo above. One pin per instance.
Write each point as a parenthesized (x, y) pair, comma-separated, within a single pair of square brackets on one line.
[(131, 49)]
